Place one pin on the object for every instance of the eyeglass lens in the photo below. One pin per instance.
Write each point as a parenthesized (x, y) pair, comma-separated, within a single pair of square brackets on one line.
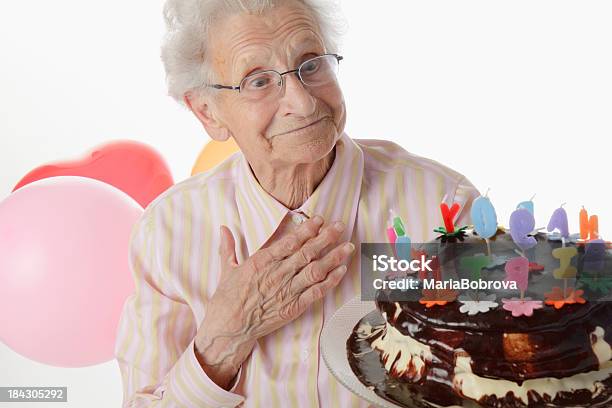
[(313, 72)]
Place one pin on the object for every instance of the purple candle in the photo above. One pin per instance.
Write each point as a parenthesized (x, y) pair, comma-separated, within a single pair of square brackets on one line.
[(559, 220), (594, 255), (521, 224)]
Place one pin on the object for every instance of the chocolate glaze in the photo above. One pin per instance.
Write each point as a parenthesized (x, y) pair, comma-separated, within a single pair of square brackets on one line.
[(435, 389), (551, 343)]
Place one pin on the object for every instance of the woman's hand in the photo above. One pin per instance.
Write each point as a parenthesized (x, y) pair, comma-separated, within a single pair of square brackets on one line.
[(268, 290)]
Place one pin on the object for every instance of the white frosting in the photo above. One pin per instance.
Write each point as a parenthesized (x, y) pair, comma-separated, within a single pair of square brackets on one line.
[(398, 310), (476, 387), (600, 347), (414, 356)]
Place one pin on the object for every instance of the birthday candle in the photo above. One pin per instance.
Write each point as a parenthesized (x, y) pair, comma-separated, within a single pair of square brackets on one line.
[(565, 255), (589, 228), (398, 225), (559, 220), (448, 215), (402, 247), (521, 224), (594, 255), (527, 205), (484, 217), (517, 270), (391, 235)]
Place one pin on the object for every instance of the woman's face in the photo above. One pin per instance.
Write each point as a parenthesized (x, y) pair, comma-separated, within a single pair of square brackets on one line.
[(267, 130)]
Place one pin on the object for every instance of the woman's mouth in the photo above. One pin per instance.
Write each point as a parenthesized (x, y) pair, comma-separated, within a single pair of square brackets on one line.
[(306, 127)]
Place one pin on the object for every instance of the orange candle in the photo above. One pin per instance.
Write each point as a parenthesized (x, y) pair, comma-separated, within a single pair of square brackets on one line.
[(594, 227), (589, 226)]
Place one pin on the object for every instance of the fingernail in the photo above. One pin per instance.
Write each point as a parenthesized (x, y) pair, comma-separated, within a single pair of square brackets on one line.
[(339, 226), (349, 246), (318, 220), (342, 268)]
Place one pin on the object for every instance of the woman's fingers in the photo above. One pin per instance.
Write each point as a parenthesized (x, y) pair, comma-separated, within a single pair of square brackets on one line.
[(291, 242), (313, 248), (319, 289), (318, 270), (285, 246), (306, 253)]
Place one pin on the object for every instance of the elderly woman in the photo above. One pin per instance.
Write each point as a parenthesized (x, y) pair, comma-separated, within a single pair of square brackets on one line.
[(237, 268)]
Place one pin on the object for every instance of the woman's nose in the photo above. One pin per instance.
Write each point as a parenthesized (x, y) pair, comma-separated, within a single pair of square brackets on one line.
[(296, 99)]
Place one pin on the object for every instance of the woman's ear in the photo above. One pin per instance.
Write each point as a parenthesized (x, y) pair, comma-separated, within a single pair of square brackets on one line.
[(203, 110)]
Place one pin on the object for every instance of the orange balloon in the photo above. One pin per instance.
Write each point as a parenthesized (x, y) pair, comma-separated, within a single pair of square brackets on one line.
[(214, 153)]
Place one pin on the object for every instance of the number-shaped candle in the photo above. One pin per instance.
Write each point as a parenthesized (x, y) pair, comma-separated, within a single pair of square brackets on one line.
[(521, 224), (448, 215), (517, 270), (558, 220), (398, 225), (402, 247), (484, 217), (594, 255), (528, 205), (565, 255), (589, 226)]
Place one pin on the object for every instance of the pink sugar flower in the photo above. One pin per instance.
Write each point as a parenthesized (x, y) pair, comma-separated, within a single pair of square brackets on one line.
[(521, 307)]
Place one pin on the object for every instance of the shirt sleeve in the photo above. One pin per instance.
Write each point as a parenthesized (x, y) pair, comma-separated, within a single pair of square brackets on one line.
[(465, 194), (155, 346)]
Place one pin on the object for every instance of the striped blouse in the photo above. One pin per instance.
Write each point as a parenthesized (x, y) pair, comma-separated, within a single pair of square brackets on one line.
[(174, 261)]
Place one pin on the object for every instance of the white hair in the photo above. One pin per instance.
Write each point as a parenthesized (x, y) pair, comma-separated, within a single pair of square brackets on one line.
[(184, 48)]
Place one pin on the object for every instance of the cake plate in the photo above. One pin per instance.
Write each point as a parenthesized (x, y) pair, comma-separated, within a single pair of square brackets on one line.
[(333, 348)]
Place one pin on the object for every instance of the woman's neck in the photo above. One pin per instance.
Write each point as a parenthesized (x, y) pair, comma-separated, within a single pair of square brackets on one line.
[(292, 185)]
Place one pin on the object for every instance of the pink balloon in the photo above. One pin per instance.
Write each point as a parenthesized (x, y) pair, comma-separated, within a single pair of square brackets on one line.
[(64, 271)]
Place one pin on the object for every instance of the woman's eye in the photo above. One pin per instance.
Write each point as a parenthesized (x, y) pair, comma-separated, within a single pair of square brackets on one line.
[(259, 82), (310, 67)]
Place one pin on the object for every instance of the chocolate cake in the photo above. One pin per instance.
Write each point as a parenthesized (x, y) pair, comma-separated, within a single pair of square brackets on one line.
[(419, 356)]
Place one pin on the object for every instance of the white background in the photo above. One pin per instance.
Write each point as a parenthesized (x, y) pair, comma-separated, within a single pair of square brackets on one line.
[(515, 95)]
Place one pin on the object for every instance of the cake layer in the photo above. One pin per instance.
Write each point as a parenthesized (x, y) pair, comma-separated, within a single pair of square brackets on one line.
[(560, 351), (416, 376)]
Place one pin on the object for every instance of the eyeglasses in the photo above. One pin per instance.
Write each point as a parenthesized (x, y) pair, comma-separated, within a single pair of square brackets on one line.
[(317, 71)]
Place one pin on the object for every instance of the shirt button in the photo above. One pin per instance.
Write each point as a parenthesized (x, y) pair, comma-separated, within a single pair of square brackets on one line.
[(298, 218), (305, 354)]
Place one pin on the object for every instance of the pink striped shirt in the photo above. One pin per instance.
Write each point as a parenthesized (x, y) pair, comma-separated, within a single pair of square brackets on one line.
[(174, 261)]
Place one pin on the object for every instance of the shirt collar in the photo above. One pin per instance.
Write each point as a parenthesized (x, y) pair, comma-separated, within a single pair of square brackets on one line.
[(335, 198)]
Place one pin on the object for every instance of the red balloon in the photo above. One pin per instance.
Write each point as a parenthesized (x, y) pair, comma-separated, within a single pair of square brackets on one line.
[(132, 167)]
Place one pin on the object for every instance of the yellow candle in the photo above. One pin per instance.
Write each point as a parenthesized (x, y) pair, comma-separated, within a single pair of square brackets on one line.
[(565, 255)]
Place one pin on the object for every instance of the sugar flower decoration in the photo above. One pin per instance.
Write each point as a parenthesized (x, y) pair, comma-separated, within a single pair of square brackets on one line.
[(477, 302), (558, 299), (521, 307), (495, 260), (535, 267), (454, 236), (437, 297), (601, 284)]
